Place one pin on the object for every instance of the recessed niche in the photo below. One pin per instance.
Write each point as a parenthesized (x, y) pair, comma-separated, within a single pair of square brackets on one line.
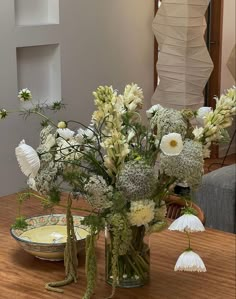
[(36, 12), (39, 70)]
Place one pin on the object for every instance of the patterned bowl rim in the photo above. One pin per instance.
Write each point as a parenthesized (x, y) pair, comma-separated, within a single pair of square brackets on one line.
[(18, 238)]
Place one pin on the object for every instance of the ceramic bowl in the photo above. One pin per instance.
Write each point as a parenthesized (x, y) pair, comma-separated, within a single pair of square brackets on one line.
[(45, 236)]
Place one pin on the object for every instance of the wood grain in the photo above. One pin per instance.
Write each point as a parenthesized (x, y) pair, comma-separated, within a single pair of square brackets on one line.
[(23, 277)]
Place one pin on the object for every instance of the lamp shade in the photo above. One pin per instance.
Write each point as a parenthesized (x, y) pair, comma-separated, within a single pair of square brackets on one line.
[(184, 64)]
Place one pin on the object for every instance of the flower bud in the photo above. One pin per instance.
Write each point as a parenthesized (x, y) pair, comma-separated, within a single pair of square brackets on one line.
[(62, 125)]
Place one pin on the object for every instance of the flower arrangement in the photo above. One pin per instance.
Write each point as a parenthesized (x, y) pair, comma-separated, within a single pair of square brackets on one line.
[(124, 169)]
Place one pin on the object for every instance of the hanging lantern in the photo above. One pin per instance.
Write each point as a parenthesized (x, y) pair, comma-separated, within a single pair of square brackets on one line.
[(184, 64)]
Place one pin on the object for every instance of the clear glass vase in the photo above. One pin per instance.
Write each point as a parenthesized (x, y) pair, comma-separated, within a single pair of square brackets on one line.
[(134, 266)]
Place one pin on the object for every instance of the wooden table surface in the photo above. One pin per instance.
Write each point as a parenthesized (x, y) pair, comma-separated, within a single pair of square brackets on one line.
[(23, 277)]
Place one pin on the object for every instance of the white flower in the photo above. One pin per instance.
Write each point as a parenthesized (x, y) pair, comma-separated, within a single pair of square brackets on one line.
[(24, 95), (151, 111), (82, 135), (50, 141), (28, 159), (32, 184), (187, 223), (201, 114), (141, 212), (131, 134), (198, 132), (67, 150), (190, 261), (171, 144), (65, 133), (133, 97)]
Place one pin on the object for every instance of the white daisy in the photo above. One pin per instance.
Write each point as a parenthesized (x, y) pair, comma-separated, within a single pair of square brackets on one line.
[(28, 159), (65, 133), (171, 144), (187, 223), (190, 261)]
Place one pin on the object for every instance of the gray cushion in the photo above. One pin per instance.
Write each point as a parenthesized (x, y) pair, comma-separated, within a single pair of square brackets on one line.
[(216, 197)]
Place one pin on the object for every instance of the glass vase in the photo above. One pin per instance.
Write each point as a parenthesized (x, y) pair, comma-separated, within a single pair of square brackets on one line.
[(133, 267)]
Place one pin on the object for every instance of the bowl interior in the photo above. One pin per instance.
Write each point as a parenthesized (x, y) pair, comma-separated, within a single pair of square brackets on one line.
[(49, 229)]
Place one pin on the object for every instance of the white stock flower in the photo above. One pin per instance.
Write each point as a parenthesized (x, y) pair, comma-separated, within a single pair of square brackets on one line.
[(171, 144), (133, 97), (28, 159), (190, 261), (65, 133), (151, 111), (198, 132), (187, 223)]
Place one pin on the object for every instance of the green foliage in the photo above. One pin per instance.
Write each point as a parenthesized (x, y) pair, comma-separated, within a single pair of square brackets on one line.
[(54, 195), (20, 223), (95, 222), (119, 202)]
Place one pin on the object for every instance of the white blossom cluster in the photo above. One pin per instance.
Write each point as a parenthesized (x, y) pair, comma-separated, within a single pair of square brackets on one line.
[(67, 150), (187, 166), (137, 180), (98, 193), (46, 177), (168, 121)]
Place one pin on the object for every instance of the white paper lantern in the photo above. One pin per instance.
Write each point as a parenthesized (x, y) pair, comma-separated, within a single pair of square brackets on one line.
[(184, 64)]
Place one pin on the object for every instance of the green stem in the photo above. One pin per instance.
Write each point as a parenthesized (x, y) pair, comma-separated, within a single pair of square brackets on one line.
[(189, 241)]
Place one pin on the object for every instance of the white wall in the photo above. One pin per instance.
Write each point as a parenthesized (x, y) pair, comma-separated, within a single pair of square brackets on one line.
[(228, 42), (100, 42)]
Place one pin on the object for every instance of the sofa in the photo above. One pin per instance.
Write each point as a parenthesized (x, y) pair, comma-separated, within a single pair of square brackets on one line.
[(216, 197)]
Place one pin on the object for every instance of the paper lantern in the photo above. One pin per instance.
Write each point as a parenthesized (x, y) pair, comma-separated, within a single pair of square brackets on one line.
[(184, 64), (231, 63)]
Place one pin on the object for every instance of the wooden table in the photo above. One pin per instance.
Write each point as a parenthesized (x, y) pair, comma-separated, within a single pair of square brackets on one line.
[(23, 277)]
